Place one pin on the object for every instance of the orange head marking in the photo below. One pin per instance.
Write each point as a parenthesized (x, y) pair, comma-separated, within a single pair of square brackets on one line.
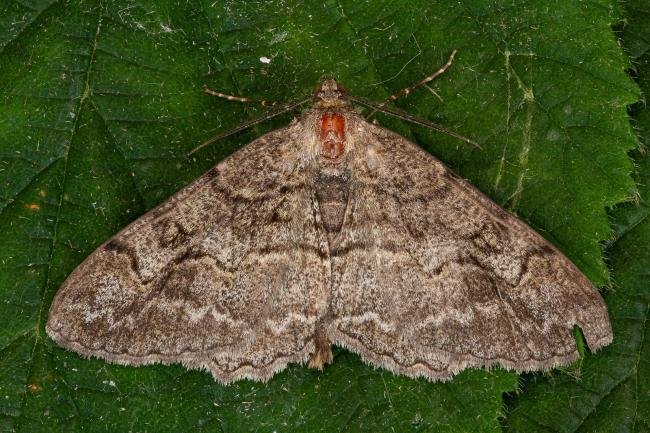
[(332, 135)]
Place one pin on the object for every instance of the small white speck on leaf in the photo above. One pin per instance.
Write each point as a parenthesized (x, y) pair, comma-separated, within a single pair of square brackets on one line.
[(279, 37), (552, 135)]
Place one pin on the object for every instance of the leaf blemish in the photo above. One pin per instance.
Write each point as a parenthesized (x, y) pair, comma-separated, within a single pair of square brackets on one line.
[(33, 206)]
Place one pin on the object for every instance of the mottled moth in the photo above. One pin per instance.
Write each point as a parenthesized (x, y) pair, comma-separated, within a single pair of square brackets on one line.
[(331, 230)]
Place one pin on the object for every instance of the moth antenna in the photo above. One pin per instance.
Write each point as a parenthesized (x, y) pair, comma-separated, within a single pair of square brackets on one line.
[(396, 112), (262, 102), (276, 111), (406, 90)]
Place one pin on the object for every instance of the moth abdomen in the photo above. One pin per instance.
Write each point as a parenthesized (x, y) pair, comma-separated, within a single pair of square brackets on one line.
[(332, 193)]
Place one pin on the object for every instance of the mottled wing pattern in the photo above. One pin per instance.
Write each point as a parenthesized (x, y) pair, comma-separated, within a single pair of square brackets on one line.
[(229, 275), (431, 277)]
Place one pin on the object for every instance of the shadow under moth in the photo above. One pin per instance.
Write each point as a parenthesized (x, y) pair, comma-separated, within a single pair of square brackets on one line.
[(331, 230)]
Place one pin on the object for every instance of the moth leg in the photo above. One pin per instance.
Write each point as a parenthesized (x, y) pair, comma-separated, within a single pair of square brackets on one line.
[(396, 112), (276, 110)]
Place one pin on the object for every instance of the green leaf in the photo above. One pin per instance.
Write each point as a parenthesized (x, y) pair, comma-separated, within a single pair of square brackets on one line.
[(612, 389), (612, 392), (100, 102)]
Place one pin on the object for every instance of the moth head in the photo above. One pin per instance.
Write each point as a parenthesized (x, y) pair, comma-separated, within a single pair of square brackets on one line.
[(330, 93)]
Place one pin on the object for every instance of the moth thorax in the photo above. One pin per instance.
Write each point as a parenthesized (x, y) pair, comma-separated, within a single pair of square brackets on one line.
[(332, 135)]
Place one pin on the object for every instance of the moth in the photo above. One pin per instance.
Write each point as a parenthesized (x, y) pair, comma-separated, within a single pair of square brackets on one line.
[(331, 230)]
